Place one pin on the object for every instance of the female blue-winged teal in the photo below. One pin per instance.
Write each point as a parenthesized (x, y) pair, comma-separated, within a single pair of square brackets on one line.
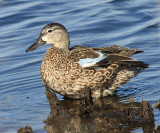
[(80, 71)]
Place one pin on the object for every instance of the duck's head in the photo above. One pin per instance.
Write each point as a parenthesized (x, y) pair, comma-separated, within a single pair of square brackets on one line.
[(53, 33)]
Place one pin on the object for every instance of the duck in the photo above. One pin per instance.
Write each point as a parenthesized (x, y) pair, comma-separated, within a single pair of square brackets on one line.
[(81, 71)]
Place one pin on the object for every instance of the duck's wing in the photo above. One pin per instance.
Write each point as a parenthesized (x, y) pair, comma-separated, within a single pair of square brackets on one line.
[(103, 57), (85, 56), (117, 49), (120, 59)]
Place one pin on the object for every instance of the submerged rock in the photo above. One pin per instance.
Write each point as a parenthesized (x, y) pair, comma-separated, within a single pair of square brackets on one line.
[(25, 129), (157, 105)]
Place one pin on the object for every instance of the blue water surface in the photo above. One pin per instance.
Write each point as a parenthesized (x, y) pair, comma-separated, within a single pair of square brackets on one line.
[(130, 23)]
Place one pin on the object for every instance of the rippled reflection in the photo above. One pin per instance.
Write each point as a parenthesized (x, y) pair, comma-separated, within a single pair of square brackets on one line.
[(96, 116)]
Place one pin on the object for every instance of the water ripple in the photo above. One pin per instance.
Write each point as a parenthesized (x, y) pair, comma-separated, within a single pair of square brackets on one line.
[(97, 23)]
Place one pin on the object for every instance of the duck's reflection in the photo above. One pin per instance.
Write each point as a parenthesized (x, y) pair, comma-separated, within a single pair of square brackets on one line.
[(98, 116)]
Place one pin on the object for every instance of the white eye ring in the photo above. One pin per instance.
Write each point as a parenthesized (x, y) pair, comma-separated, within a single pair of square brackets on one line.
[(49, 31)]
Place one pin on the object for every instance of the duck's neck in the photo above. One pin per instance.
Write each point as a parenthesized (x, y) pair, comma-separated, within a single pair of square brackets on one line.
[(62, 42), (62, 45)]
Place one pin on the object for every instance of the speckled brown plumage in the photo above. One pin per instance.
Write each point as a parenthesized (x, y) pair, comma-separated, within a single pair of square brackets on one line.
[(62, 70)]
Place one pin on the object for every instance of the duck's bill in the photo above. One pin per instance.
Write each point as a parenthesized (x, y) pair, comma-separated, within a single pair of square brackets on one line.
[(38, 43)]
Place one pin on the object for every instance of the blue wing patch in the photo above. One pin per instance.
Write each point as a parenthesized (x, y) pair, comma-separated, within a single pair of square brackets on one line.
[(87, 62)]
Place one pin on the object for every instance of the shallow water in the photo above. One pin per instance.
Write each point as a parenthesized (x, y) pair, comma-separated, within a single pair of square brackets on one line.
[(133, 24)]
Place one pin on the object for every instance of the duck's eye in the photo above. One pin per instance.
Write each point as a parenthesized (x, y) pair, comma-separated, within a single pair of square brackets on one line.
[(49, 31)]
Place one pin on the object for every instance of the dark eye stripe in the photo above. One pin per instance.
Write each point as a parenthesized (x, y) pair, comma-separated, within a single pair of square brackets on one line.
[(49, 31)]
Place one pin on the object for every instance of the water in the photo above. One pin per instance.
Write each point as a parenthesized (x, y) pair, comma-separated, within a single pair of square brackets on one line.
[(91, 23)]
